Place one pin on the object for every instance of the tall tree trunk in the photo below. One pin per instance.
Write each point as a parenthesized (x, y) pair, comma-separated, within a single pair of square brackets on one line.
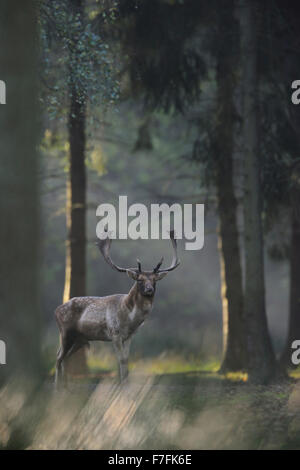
[(231, 272), (19, 227), (75, 209), (262, 366), (75, 278), (294, 314)]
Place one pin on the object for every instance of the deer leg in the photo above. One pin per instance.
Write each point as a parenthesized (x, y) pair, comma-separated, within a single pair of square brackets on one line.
[(58, 369), (122, 352), (126, 350), (79, 343), (66, 345)]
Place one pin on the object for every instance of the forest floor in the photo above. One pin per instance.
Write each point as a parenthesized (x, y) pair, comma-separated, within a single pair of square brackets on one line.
[(194, 409), (167, 404)]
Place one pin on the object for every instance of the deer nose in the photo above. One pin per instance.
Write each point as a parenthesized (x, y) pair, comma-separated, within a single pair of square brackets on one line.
[(149, 290)]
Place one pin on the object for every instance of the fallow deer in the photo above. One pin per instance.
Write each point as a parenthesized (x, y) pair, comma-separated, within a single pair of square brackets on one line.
[(112, 318)]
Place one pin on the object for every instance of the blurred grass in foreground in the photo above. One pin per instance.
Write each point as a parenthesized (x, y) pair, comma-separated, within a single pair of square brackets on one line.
[(173, 406), (169, 402)]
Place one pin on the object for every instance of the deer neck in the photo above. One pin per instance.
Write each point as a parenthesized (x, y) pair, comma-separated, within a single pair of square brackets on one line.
[(134, 300)]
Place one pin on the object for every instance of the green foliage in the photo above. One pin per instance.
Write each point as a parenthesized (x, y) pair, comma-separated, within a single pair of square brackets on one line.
[(73, 56)]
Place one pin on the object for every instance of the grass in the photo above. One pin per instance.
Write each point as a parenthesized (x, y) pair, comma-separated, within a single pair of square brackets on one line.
[(166, 363), (295, 373), (163, 364)]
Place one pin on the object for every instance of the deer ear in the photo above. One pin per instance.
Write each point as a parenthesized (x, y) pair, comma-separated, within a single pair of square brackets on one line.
[(160, 276), (132, 274)]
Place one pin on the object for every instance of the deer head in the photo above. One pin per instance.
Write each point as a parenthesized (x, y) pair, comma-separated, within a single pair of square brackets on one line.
[(146, 280)]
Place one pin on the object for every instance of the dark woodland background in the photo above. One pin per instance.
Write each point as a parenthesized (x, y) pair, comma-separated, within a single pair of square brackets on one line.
[(184, 101)]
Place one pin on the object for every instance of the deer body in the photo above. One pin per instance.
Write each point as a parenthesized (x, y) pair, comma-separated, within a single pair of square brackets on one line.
[(104, 318), (112, 318)]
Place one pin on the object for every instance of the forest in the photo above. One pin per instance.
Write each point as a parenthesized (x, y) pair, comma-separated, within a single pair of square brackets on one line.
[(171, 102)]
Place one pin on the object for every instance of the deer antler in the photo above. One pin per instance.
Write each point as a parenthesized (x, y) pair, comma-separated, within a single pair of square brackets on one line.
[(155, 270), (175, 260), (104, 247)]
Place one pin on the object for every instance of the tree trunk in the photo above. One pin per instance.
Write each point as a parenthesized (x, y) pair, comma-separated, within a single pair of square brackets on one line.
[(262, 366), (75, 278), (19, 227), (231, 272), (75, 209), (294, 317)]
